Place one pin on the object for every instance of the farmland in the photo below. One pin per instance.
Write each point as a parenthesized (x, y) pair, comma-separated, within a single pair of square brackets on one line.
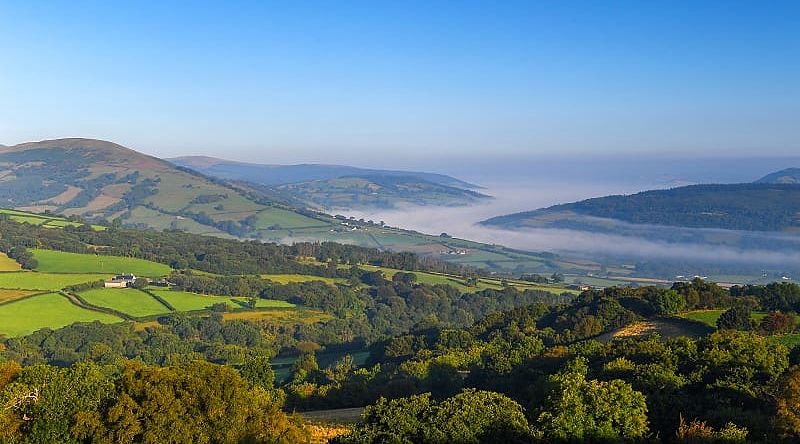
[(126, 300), (32, 280), (709, 317), (8, 264), (293, 278), (50, 310), (185, 301), (7, 296), (61, 262), (42, 219)]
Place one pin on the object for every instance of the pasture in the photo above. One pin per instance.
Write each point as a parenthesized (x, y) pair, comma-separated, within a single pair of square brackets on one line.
[(294, 278), (45, 311), (185, 301), (42, 219), (709, 317), (62, 262), (32, 280), (126, 300)]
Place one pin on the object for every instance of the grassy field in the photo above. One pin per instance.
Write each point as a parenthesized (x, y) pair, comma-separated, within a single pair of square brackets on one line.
[(12, 295), (289, 278), (8, 264), (41, 219), (127, 300), (789, 341), (460, 283), (61, 262), (709, 317), (31, 280), (185, 301), (286, 219), (48, 310)]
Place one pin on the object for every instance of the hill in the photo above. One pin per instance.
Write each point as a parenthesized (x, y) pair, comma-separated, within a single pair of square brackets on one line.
[(102, 180), (788, 176), (339, 186), (98, 180), (750, 207)]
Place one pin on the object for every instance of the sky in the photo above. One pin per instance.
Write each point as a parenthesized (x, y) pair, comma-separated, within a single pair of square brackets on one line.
[(405, 83)]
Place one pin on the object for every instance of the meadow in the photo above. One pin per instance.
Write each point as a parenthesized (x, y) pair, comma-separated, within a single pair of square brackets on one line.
[(294, 278), (45, 311), (130, 301), (32, 280), (7, 296), (44, 220), (62, 262), (185, 301), (709, 317)]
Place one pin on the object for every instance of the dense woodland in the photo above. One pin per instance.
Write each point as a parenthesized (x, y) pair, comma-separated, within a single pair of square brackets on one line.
[(754, 207), (443, 367)]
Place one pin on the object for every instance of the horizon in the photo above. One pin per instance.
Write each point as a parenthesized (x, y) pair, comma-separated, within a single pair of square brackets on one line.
[(359, 82)]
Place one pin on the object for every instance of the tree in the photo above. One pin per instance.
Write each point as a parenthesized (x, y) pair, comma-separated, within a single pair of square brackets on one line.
[(735, 318), (578, 409), (667, 302), (778, 323), (258, 371), (787, 417)]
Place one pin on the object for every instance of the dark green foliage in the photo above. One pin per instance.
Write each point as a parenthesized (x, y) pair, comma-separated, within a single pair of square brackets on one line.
[(736, 318)]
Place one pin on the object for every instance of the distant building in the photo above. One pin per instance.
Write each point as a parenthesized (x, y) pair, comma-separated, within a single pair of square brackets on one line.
[(121, 281)]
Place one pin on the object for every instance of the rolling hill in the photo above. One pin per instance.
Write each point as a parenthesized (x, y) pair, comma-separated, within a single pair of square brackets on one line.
[(336, 186), (103, 181), (749, 207)]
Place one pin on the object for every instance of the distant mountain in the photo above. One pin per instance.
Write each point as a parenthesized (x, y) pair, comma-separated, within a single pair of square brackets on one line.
[(265, 174), (102, 180), (337, 186), (752, 207), (789, 175)]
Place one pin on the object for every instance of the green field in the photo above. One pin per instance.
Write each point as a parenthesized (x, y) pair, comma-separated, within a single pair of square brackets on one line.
[(31, 280), (61, 262), (41, 219), (286, 219), (709, 317), (789, 341), (290, 278), (48, 310), (185, 301), (127, 300)]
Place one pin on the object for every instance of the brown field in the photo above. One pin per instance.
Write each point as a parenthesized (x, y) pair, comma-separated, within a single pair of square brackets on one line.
[(8, 264), (13, 295), (66, 196), (282, 316), (665, 327)]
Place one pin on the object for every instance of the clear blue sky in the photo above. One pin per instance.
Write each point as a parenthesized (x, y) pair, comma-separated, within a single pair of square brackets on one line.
[(375, 82)]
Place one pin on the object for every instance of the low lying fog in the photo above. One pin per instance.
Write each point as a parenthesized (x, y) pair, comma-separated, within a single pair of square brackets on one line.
[(544, 187)]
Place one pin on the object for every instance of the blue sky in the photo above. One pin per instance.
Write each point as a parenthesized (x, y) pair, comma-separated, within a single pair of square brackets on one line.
[(382, 83)]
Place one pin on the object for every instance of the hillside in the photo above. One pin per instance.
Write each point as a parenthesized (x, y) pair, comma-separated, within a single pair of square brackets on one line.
[(102, 180), (787, 176), (99, 180), (750, 207), (337, 186)]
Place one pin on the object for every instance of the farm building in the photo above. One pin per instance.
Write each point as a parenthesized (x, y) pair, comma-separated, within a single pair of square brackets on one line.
[(121, 281)]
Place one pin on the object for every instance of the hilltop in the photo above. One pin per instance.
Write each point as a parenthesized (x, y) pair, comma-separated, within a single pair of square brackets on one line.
[(338, 186), (749, 207), (787, 176)]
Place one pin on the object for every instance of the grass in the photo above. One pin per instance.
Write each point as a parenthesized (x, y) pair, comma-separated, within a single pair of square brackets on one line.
[(30, 280), (789, 341), (185, 301), (127, 300), (46, 311), (709, 317), (285, 218), (62, 262), (8, 264), (12, 295), (290, 278), (44, 220)]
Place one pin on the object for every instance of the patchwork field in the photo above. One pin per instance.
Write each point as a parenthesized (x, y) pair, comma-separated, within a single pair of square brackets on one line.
[(185, 301), (61, 262), (46, 311), (127, 300), (32, 280), (8, 264), (41, 219), (12, 295)]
